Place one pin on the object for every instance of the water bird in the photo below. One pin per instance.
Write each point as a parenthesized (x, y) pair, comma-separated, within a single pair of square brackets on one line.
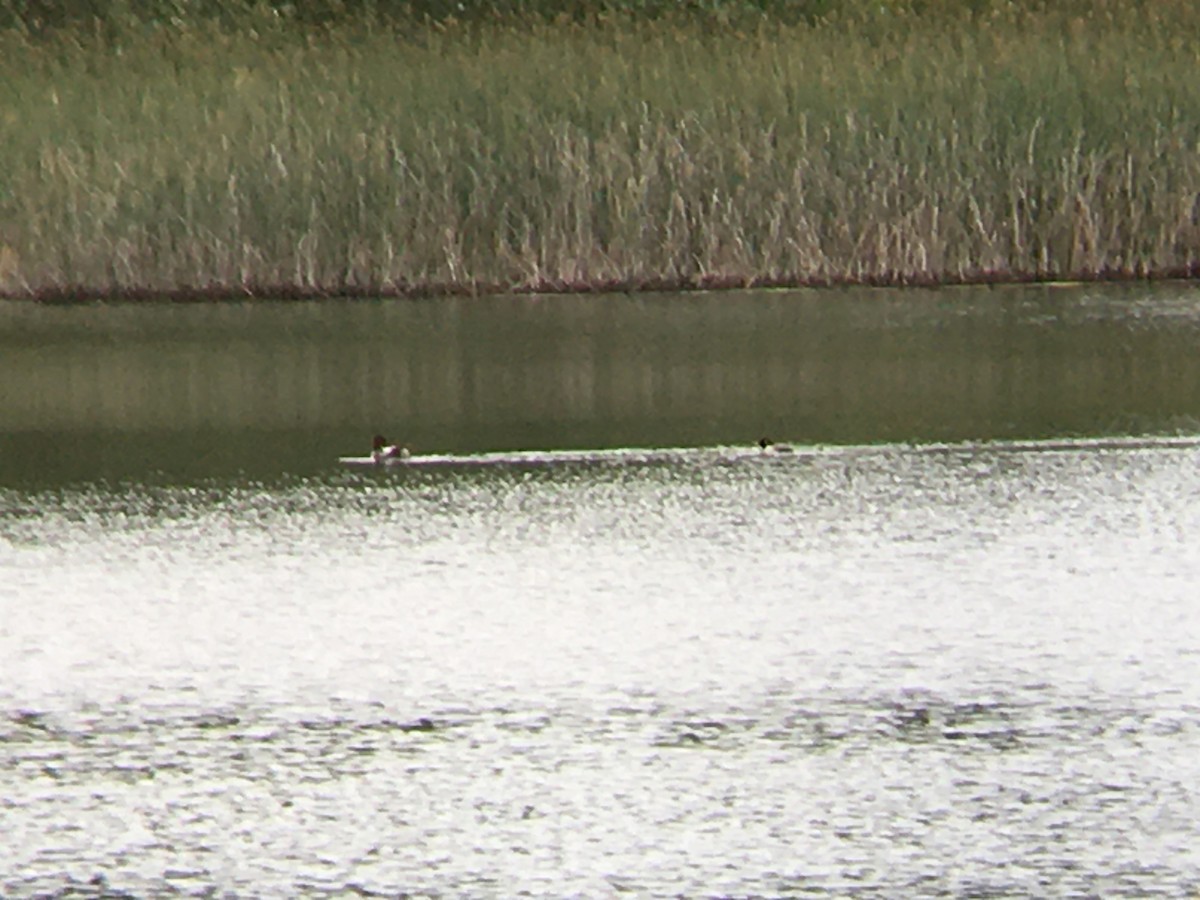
[(769, 446), (422, 724), (382, 451)]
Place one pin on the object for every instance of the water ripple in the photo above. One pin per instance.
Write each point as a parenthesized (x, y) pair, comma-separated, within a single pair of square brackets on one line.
[(965, 671)]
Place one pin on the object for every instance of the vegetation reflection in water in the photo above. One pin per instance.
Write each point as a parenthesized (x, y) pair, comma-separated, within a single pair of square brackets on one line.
[(958, 668), (264, 389)]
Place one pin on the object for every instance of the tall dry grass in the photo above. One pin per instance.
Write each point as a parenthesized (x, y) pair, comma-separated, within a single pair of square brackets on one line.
[(895, 145)]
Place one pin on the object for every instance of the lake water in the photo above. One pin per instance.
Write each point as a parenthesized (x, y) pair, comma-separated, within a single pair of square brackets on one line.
[(949, 645)]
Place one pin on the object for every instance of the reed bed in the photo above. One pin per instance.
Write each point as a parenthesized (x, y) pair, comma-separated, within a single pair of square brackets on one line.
[(372, 155)]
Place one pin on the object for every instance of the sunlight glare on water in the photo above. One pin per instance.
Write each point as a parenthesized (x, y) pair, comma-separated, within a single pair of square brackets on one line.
[(879, 671)]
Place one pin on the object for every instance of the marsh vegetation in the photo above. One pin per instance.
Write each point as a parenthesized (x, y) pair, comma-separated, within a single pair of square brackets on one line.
[(231, 149)]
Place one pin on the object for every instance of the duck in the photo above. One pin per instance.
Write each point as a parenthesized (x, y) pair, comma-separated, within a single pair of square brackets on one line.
[(769, 446), (382, 451)]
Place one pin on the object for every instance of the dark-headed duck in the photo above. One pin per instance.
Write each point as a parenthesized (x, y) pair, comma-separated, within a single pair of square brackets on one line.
[(769, 446), (382, 451)]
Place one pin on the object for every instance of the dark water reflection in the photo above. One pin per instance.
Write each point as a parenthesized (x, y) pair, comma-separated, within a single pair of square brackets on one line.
[(937, 669), (264, 388)]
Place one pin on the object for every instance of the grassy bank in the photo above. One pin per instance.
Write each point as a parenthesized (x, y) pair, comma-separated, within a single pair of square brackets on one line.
[(386, 154)]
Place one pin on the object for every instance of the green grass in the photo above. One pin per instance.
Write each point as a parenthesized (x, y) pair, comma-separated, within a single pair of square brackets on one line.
[(380, 153)]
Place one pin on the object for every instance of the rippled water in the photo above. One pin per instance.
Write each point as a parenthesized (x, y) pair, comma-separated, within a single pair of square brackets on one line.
[(970, 670)]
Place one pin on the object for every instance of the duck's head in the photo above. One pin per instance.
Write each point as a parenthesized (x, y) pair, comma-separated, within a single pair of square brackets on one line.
[(378, 442), (765, 442)]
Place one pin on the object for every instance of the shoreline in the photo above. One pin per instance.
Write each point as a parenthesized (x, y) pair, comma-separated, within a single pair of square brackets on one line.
[(72, 295)]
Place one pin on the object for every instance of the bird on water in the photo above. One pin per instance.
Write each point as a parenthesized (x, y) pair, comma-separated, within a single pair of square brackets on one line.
[(769, 446), (382, 451)]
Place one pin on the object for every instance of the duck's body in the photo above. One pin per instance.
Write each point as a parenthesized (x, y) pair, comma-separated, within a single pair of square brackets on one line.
[(382, 452), (769, 447)]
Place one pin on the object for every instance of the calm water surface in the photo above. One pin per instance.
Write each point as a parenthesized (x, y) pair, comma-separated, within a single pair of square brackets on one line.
[(964, 668), (260, 388)]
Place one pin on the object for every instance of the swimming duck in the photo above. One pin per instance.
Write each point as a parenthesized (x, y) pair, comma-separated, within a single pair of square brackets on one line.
[(382, 451), (769, 446)]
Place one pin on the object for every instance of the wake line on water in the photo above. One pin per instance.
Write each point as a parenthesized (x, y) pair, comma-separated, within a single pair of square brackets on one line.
[(798, 451)]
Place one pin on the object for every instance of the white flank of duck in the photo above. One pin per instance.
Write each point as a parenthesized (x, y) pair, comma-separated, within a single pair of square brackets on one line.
[(383, 452)]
